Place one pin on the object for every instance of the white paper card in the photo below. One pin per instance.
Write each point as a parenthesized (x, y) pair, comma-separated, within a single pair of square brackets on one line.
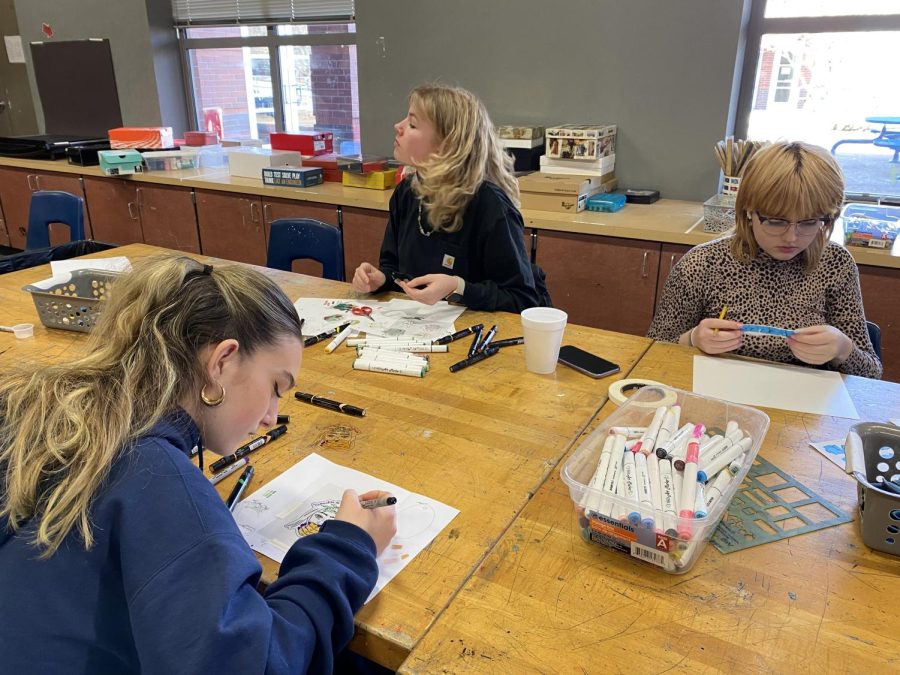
[(296, 504), (116, 264), (820, 392), (14, 51), (833, 450)]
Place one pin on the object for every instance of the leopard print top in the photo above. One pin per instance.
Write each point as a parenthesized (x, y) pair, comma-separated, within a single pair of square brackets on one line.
[(771, 292)]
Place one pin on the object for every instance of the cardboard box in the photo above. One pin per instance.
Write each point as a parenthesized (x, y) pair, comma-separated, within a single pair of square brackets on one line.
[(523, 143), (581, 142), (871, 225), (292, 176), (307, 143), (328, 164), (521, 132), (361, 163), (121, 162), (564, 194), (241, 143), (249, 162), (201, 138), (599, 167), (377, 180), (141, 137)]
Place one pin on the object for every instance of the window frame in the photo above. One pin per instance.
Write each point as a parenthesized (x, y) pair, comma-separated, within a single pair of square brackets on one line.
[(271, 40)]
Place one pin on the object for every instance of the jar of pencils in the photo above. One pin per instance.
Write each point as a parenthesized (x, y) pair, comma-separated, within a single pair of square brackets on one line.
[(733, 156)]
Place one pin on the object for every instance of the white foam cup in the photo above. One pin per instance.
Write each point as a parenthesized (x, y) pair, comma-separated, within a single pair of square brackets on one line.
[(543, 328)]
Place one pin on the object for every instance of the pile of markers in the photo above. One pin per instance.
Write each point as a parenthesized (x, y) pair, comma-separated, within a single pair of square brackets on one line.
[(404, 355), (664, 476), (229, 464)]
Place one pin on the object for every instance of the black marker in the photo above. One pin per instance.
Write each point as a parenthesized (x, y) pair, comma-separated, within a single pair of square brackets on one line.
[(247, 448), (239, 488), (480, 356), (473, 348), (375, 503), (509, 342), (345, 408), (457, 335), (283, 419), (313, 339), (487, 338)]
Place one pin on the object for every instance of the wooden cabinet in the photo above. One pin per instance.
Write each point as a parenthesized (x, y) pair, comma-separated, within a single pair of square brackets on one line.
[(125, 212), (363, 234), (167, 217), (114, 212), (881, 297), (273, 209), (231, 226), (16, 186), (669, 257), (605, 282)]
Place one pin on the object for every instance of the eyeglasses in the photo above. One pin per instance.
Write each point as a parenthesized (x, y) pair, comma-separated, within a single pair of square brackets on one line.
[(805, 227)]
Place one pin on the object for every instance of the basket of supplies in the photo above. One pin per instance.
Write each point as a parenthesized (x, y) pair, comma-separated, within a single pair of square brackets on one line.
[(873, 458), (72, 300)]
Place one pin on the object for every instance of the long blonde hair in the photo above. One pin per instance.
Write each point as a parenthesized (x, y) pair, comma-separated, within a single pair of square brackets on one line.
[(788, 180), (469, 153), (64, 425)]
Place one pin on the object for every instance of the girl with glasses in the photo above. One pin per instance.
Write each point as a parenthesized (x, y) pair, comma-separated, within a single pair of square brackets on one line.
[(777, 267)]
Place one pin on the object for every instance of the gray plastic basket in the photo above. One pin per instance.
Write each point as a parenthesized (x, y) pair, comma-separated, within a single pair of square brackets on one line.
[(72, 301), (873, 457)]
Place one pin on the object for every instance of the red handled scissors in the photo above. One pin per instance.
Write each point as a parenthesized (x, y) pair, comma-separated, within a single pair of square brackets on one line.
[(362, 311)]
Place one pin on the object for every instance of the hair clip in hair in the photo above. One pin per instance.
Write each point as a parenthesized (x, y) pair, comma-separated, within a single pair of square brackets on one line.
[(207, 269)]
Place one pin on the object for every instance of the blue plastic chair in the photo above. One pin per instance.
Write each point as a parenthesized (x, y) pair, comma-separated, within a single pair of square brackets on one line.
[(293, 239), (53, 207), (874, 336)]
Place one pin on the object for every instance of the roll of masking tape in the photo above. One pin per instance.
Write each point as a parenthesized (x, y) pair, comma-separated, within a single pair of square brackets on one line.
[(618, 393)]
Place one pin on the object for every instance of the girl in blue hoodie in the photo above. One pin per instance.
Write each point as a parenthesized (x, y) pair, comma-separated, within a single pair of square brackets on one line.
[(116, 553)]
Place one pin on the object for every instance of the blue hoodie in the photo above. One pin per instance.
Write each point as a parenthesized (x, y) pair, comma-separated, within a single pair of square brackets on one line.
[(170, 584)]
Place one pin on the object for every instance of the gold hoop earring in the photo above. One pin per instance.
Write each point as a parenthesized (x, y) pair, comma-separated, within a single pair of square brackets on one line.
[(212, 402)]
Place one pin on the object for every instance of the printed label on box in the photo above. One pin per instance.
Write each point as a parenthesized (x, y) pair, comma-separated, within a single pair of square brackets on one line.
[(651, 555), (611, 527)]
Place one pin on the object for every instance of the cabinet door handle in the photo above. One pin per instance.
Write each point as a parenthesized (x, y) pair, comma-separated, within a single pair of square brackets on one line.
[(644, 265), (28, 180), (254, 208), (131, 211), (37, 181), (671, 263), (266, 213), (139, 197)]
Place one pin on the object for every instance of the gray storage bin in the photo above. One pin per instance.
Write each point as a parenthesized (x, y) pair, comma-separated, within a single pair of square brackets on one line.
[(72, 301), (873, 457)]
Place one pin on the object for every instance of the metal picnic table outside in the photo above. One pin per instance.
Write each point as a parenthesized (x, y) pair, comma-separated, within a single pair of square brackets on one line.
[(886, 138)]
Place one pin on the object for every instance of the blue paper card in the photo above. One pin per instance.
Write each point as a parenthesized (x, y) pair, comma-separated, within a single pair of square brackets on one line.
[(759, 329)]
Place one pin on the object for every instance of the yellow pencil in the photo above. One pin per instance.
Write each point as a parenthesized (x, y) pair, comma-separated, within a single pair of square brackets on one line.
[(721, 316)]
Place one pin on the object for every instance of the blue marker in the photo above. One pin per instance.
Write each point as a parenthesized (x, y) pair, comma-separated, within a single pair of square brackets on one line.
[(759, 329)]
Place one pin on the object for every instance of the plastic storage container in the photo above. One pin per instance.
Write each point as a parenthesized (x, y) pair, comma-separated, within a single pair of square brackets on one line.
[(675, 554), (71, 301), (171, 160), (873, 457), (718, 214)]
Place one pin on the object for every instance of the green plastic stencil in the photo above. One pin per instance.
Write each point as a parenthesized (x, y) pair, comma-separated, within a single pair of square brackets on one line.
[(771, 505)]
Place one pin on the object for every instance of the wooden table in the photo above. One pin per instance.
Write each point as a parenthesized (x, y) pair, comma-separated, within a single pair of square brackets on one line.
[(481, 440), (545, 601)]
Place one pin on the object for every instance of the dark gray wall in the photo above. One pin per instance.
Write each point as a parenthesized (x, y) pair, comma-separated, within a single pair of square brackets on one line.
[(125, 23), (18, 118), (661, 70)]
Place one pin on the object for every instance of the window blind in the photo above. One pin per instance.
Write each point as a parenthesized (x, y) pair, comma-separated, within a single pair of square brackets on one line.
[(193, 12)]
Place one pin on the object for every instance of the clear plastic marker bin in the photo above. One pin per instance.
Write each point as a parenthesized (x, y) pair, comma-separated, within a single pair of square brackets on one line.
[(644, 541)]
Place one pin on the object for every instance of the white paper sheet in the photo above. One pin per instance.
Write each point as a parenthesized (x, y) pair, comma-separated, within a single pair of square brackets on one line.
[(14, 49), (116, 264), (833, 450), (394, 318), (296, 504), (820, 392)]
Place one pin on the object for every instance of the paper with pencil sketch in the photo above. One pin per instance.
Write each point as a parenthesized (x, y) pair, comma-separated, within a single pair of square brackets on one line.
[(296, 504), (821, 392), (407, 318)]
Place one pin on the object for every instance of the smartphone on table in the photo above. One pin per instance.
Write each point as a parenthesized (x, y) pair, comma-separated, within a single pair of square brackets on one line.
[(585, 362)]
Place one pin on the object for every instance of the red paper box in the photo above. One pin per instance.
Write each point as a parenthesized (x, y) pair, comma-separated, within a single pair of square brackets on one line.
[(313, 143)]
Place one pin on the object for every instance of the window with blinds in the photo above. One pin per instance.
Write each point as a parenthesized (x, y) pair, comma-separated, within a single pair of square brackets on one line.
[(194, 12), (253, 67)]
